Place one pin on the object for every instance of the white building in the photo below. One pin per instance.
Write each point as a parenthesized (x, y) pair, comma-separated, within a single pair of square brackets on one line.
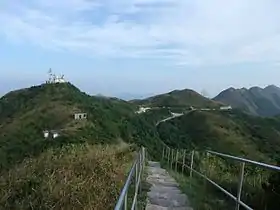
[(55, 134), (225, 108), (58, 79), (80, 116), (176, 114), (142, 109), (46, 134), (50, 134)]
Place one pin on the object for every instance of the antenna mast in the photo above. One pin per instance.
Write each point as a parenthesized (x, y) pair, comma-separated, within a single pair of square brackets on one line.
[(55, 78)]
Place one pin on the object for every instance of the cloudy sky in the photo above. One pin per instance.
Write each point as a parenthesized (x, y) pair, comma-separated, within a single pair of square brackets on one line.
[(140, 47)]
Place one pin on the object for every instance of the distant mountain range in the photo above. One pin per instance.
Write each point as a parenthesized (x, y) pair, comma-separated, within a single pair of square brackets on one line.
[(257, 101)]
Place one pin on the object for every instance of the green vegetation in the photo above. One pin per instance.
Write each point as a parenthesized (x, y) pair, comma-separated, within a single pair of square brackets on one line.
[(24, 114), (201, 194), (73, 177), (141, 129), (82, 168), (142, 197), (65, 172), (235, 133), (229, 132)]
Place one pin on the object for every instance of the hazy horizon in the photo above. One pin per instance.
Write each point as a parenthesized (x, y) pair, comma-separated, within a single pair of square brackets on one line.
[(134, 48)]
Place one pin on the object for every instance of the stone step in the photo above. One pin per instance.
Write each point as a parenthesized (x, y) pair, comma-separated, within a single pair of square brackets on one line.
[(160, 188), (167, 199), (154, 164)]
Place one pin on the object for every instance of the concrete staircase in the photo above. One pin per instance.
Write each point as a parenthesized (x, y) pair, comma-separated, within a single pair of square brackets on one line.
[(164, 193)]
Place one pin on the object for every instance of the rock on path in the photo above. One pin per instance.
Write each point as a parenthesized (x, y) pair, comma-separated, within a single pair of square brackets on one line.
[(164, 193)]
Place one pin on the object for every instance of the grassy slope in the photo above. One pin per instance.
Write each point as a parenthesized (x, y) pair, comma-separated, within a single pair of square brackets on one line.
[(74, 177)]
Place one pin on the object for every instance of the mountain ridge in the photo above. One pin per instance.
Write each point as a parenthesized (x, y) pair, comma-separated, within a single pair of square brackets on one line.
[(255, 100), (178, 98)]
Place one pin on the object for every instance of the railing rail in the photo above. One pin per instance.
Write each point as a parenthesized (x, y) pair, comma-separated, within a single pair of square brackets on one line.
[(169, 156), (244, 160), (135, 172)]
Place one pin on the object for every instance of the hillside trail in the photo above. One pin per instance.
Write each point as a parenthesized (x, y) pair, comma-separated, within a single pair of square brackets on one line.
[(164, 193), (176, 115)]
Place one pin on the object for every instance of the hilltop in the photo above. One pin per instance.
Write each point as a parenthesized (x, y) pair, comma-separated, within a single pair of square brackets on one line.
[(178, 99), (257, 101), (26, 113)]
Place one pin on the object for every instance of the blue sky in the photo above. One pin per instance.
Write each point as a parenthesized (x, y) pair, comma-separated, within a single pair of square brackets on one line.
[(140, 47)]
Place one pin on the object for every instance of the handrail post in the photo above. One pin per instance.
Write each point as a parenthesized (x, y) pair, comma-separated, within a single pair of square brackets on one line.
[(192, 154), (162, 157), (125, 202), (168, 158), (176, 160), (191, 168), (239, 191), (136, 181), (144, 155), (171, 158), (184, 156), (141, 168)]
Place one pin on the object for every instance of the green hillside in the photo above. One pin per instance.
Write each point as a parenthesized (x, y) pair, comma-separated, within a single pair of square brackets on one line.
[(178, 98), (85, 167), (26, 113), (235, 133), (230, 132)]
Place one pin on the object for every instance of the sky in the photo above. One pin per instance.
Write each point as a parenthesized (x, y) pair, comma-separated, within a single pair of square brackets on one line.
[(137, 48)]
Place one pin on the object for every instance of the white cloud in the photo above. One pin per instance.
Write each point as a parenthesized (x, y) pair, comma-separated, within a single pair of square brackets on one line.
[(184, 32)]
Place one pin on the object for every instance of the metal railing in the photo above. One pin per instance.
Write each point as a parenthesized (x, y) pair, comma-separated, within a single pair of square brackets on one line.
[(135, 173), (171, 155)]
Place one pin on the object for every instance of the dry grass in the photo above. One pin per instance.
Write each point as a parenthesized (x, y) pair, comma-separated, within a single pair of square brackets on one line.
[(74, 177)]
